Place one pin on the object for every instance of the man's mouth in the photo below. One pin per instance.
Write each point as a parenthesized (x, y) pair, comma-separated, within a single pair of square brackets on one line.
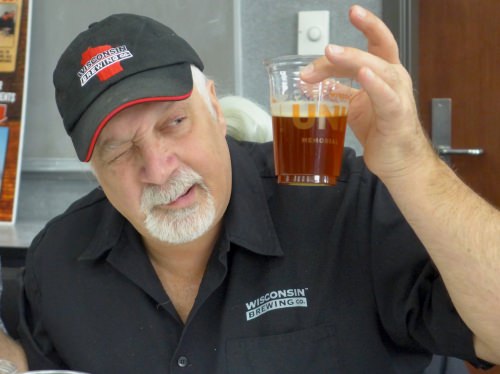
[(184, 190), (184, 199)]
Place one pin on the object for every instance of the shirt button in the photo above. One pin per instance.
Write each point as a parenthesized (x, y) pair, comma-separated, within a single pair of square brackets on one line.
[(182, 361)]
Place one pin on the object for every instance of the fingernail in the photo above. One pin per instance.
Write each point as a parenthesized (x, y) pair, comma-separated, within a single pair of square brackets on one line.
[(359, 11), (307, 69), (369, 73), (335, 49)]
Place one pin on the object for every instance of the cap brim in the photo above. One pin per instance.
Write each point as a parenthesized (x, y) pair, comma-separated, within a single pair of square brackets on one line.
[(170, 83)]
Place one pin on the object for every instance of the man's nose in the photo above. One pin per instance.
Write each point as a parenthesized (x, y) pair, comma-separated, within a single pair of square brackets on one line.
[(158, 163)]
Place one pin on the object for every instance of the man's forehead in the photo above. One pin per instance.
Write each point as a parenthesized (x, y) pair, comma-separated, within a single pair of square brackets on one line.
[(117, 124)]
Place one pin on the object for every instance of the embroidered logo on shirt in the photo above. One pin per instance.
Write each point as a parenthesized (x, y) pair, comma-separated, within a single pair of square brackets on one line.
[(288, 298), (103, 61)]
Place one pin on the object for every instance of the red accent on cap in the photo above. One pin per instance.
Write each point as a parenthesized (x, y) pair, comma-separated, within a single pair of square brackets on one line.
[(124, 106)]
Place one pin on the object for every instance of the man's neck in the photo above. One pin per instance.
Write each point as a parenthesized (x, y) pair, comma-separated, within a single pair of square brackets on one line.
[(186, 258), (180, 268)]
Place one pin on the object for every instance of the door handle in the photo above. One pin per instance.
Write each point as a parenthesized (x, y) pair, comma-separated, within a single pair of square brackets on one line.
[(442, 150), (441, 131)]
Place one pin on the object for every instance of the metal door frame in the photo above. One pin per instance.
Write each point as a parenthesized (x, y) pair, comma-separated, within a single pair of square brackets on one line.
[(401, 16)]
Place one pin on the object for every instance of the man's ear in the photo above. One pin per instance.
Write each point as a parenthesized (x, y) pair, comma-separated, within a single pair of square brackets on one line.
[(219, 114)]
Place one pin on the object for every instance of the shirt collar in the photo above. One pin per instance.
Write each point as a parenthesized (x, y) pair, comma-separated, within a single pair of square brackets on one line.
[(107, 235), (247, 220)]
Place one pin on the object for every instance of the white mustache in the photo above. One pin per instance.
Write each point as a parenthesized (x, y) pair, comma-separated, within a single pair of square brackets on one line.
[(175, 187)]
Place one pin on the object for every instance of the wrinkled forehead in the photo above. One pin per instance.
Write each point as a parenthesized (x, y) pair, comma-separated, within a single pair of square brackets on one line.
[(125, 120)]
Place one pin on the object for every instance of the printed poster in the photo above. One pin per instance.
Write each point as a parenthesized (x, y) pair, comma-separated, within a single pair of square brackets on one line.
[(4, 137), (14, 38)]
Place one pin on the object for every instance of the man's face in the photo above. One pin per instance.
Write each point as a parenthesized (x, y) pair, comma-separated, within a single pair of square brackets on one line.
[(165, 166)]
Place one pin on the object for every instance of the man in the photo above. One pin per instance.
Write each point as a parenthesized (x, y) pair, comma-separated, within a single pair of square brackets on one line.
[(192, 259)]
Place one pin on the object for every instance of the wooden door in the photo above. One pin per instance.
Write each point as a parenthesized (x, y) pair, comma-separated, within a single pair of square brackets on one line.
[(459, 58)]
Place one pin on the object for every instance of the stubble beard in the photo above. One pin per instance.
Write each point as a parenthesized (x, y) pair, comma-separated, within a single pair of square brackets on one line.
[(179, 225)]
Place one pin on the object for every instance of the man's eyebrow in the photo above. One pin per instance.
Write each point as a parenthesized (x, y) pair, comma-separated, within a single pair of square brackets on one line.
[(110, 144)]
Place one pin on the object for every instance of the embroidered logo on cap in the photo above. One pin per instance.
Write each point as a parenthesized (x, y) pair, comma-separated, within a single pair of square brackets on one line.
[(103, 61)]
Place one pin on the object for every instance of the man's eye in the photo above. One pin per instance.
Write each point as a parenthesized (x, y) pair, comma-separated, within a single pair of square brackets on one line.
[(177, 121), (173, 125), (118, 156)]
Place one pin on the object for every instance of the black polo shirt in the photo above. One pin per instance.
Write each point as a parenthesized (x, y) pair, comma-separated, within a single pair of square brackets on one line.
[(302, 280)]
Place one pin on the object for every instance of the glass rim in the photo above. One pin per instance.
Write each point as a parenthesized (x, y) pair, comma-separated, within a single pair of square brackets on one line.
[(278, 63), (290, 60)]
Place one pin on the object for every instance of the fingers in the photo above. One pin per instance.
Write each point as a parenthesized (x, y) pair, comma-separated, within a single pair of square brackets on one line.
[(346, 62), (387, 88), (381, 42), (385, 100), (318, 70), (338, 62)]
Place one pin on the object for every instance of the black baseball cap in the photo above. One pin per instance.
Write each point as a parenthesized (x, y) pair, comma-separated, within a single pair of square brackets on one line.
[(123, 60)]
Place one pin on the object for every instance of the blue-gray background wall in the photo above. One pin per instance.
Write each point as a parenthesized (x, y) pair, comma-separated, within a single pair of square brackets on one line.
[(232, 37), (269, 29)]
